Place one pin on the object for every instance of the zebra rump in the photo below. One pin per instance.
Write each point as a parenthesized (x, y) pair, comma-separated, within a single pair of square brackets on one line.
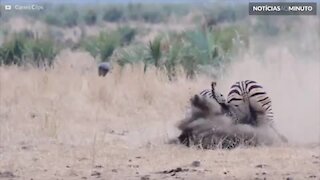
[(251, 103)]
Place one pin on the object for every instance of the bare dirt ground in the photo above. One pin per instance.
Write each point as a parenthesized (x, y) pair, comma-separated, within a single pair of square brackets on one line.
[(68, 123)]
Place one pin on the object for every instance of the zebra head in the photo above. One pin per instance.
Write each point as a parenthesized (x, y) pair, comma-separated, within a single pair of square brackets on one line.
[(205, 114), (216, 94)]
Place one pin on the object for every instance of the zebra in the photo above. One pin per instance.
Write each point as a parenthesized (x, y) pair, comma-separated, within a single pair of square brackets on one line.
[(213, 93), (247, 105), (252, 105), (249, 96), (246, 100)]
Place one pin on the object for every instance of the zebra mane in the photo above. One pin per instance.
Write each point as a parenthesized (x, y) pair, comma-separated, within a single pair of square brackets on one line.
[(213, 85)]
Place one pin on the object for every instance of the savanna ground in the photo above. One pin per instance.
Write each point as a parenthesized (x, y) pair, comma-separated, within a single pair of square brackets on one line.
[(68, 123)]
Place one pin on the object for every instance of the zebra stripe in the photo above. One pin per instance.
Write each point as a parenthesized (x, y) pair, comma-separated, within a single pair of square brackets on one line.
[(250, 93)]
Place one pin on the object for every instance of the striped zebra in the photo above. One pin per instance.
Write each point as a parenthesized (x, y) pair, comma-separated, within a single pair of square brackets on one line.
[(247, 104), (251, 102), (251, 105)]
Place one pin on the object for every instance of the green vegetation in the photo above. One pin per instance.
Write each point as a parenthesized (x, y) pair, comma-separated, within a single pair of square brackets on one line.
[(103, 46), (23, 49), (209, 47), (113, 14), (90, 18)]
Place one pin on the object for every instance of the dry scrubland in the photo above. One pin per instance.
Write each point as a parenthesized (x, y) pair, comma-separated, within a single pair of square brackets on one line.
[(68, 123)]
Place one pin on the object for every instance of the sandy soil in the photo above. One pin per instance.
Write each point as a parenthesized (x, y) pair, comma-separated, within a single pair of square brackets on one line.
[(68, 123)]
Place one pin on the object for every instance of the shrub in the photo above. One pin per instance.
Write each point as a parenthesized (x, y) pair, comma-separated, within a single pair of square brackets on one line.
[(113, 14), (42, 52), (127, 35), (53, 20), (155, 52), (225, 37), (90, 18), (22, 49), (102, 46), (71, 18), (172, 59), (13, 52), (152, 16), (131, 55)]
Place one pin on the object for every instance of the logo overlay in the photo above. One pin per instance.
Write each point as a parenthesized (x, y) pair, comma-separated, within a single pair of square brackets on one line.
[(282, 8)]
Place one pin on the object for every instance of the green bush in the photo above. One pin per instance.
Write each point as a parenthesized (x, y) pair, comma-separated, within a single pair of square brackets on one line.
[(202, 45), (42, 52), (62, 17), (151, 16), (131, 55), (71, 18), (52, 19), (22, 50), (134, 11), (113, 14), (127, 34), (172, 59), (155, 52), (230, 38), (12, 52), (90, 18), (102, 46)]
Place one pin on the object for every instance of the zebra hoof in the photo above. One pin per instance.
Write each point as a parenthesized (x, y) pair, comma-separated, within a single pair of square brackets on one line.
[(195, 99)]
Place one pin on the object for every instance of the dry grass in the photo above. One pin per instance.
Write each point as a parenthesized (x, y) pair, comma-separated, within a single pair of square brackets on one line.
[(68, 123), (63, 122)]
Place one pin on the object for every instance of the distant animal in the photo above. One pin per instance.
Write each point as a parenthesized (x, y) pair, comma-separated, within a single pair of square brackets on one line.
[(104, 68), (247, 109)]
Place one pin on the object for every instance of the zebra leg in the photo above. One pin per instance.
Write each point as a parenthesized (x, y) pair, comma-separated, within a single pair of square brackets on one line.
[(267, 123), (186, 138), (280, 136)]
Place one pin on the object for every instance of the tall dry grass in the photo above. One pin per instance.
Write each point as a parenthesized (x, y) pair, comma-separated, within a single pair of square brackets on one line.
[(72, 104)]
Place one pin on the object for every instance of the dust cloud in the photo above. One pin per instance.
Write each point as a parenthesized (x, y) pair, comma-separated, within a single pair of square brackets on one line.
[(289, 69)]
